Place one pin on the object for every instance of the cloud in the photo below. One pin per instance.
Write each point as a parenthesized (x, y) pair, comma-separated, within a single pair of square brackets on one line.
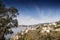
[(44, 16), (27, 20)]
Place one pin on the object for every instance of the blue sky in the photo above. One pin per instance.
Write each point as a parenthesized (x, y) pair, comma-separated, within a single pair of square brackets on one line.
[(35, 11)]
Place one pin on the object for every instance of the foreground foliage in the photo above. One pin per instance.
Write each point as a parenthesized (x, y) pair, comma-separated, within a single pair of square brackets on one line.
[(38, 35)]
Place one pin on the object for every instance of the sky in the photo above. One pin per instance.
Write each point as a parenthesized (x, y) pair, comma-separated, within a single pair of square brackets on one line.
[(35, 11)]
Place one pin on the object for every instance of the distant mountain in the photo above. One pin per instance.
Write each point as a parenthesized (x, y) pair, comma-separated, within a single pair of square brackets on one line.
[(41, 24)]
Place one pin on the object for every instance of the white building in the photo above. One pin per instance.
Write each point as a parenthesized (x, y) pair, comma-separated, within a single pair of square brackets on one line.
[(54, 23), (46, 29), (58, 29), (29, 28), (45, 24)]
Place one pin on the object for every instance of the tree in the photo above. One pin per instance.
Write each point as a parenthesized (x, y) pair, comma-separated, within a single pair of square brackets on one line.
[(7, 18)]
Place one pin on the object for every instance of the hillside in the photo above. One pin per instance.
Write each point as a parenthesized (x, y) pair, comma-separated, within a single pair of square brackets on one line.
[(46, 31)]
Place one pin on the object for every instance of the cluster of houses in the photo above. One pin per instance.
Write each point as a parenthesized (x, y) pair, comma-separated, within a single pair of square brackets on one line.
[(16, 37), (46, 28)]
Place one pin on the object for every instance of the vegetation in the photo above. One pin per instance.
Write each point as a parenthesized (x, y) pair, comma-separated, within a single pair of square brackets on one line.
[(42, 36), (7, 19), (38, 35)]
